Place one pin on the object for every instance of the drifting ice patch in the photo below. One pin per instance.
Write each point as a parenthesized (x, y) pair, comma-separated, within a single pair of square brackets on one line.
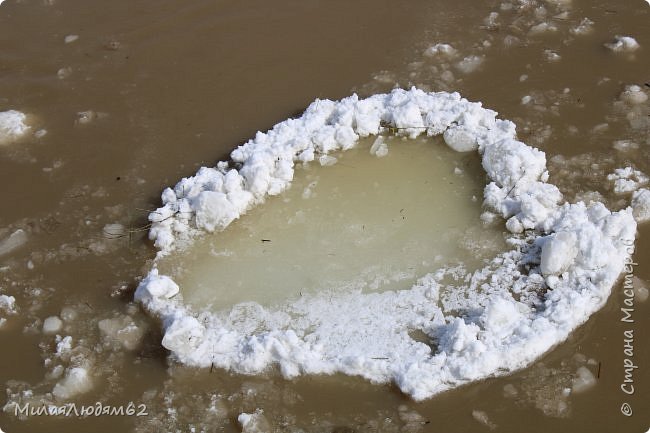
[(493, 321)]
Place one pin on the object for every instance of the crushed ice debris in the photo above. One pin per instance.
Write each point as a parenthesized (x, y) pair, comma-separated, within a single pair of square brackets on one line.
[(70, 38), (122, 330), (542, 28), (627, 180), (518, 310), (12, 126), (623, 44)]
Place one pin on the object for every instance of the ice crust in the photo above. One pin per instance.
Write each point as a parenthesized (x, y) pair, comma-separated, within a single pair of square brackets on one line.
[(563, 263)]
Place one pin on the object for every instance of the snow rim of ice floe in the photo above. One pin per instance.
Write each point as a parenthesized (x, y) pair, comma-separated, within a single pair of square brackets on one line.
[(564, 261)]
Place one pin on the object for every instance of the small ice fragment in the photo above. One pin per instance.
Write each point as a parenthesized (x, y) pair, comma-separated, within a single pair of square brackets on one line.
[(492, 20), (76, 381), (52, 325), (585, 27), (440, 50), (623, 44), (7, 304), (458, 171), (71, 38), (13, 242), (641, 205), (583, 381), (633, 95), (68, 314), (483, 418), (64, 73), (600, 128), (12, 126), (85, 117), (470, 64), (122, 330), (379, 148), (326, 160), (254, 422), (510, 41), (552, 56), (542, 28), (526, 99), (509, 391), (155, 286), (114, 231), (523, 78)]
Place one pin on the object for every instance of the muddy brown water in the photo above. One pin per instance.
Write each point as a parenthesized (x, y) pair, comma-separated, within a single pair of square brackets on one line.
[(174, 85)]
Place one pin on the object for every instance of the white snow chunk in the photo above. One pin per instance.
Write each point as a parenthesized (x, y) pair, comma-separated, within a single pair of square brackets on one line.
[(155, 287), (558, 253), (12, 126), (14, 241)]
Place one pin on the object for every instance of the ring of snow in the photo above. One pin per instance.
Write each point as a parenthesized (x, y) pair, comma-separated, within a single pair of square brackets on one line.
[(564, 260)]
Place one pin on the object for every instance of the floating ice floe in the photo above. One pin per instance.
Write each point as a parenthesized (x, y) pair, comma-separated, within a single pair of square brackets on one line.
[(564, 260), (12, 126)]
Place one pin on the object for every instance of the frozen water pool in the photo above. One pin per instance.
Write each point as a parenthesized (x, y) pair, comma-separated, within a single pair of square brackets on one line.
[(370, 222)]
